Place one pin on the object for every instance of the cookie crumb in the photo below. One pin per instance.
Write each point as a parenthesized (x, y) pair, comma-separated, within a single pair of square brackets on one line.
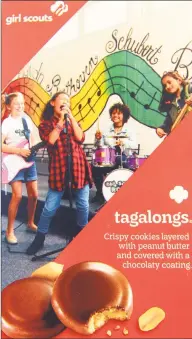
[(125, 331), (117, 327), (109, 333)]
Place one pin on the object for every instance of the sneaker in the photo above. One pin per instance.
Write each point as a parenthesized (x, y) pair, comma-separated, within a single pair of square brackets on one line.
[(32, 228), (37, 244), (11, 239)]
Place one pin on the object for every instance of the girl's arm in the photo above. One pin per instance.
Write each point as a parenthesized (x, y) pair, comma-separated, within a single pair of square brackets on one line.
[(166, 126), (48, 133), (78, 133), (109, 141), (98, 139), (54, 135), (14, 150), (189, 100)]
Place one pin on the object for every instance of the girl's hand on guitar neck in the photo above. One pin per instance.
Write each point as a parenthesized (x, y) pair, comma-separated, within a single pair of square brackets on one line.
[(189, 101), (24, 152)]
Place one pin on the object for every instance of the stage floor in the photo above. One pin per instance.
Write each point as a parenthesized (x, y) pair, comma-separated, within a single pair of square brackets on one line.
[(15, 263)]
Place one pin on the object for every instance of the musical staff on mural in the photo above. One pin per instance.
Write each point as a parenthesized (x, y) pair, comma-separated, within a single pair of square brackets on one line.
[(119, 73)]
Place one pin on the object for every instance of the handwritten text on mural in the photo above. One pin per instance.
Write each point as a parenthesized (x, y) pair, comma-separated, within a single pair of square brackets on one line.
[(182, 59), (71, 87), (141, 48)]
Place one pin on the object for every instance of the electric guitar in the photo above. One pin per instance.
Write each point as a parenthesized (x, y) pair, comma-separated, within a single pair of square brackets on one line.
[(186, 108), (13, 163)]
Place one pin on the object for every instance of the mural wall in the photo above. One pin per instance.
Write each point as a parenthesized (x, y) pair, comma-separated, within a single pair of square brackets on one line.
[(123, 63)]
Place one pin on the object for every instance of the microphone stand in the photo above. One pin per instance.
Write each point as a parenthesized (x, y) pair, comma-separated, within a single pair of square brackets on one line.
[(68, 182), (68, 177)]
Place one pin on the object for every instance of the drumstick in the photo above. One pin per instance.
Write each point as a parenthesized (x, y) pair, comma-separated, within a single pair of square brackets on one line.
[(98, 128)]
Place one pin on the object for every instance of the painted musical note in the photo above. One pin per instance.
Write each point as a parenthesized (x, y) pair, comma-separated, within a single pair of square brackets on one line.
[(143, 85), (133, 94), (80, 107), (89, 103), (147, 106), (33, 106), (99, 90)]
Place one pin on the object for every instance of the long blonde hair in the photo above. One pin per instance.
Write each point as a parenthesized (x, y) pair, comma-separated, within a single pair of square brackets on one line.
[(167, 98), (6, 100), (174, 75), (9, 97)]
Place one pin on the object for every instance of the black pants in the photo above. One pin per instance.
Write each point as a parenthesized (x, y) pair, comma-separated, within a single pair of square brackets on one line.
[(99, 173)]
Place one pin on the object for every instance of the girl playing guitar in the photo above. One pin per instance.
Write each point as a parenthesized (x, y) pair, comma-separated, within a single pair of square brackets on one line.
[(13, 133), (176, 93)]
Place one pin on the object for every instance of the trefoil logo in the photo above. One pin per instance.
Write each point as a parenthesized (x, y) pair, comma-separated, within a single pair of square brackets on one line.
[(59, 7)]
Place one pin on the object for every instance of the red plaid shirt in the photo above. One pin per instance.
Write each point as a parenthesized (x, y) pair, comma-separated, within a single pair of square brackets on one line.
[(81, 171)]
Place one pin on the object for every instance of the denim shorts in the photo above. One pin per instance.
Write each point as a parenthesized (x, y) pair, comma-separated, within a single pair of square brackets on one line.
[(26, 174)]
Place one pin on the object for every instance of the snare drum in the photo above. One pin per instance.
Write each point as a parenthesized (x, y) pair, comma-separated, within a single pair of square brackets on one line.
[(133, 162), (104, 157)]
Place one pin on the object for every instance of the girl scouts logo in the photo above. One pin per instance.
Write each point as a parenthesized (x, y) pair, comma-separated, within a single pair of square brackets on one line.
[(178, 194), (59, 7)]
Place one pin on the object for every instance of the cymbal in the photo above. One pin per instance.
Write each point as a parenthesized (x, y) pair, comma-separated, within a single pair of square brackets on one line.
[(117, 136)]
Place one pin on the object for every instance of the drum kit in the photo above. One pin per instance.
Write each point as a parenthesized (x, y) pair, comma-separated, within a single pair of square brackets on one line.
[(107, 157)]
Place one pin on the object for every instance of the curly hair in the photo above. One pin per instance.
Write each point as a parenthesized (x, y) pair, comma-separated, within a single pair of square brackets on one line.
[(167, 98), (48, 111), (122, 108)]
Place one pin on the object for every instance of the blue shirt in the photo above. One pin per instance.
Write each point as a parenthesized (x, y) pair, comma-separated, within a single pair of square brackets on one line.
[(128, 143)]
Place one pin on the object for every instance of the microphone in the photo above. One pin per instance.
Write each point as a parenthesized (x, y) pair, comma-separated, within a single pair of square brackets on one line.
[(66, 115), (66, 118)]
